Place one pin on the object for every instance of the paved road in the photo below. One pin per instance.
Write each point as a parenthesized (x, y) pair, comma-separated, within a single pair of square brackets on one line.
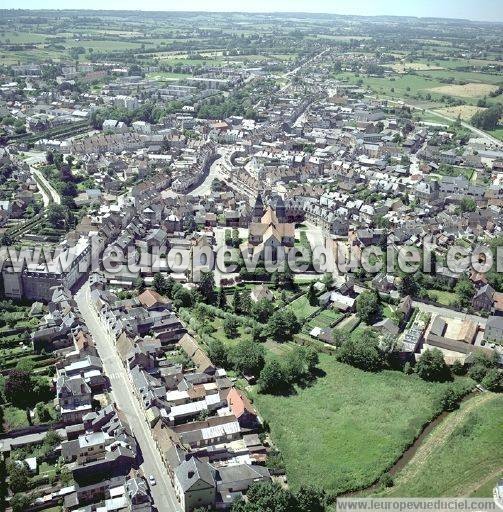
[(204, 189), (219, 169), (122, 393)]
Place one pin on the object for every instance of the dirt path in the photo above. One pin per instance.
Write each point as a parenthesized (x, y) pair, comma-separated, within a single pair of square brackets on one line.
[(438, 437)]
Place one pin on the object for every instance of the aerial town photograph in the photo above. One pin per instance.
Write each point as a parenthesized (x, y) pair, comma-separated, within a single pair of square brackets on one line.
[(251, 256)]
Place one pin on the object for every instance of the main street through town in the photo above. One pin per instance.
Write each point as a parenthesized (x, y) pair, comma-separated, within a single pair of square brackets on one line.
[(122, 393)]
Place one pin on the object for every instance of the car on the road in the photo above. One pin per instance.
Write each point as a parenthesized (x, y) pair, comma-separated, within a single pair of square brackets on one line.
[(151, 479)]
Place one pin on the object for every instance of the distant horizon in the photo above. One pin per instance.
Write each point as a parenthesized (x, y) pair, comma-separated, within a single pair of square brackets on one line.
[(484, 10)]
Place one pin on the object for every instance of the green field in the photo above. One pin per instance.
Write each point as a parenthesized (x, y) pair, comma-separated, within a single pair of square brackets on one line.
[(349, 427), (461, 456), (302, 308), (442, 297), (326, 318)]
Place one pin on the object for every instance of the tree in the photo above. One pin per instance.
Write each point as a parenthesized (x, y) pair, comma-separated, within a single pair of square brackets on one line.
[(43, 412), (340, 336), (273, 378), (431, 366), (311, 295), (468, 204), (19, 475), (361, 352), (51, 439), (493, 380), (408, 285), (205, 287), (247, 357), (386, 480), (182, 298), (217, 352), (312, 359), (296, 365), (20, 502), (367, 306), (262, 310), (465, 290), (231, 327), (17, 387), (258, 335), (236, 301), (310, 499), (449, 400), (57, 216), (245, 303), (458, 368), (139, 284), (222, 299), (268, 497), (160, 284), (282, 325)]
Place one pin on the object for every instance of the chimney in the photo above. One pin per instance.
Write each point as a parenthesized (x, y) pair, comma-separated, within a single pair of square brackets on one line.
[(190, 474)]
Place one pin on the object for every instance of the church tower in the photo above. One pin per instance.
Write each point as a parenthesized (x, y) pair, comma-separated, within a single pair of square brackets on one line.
[(258, 209)]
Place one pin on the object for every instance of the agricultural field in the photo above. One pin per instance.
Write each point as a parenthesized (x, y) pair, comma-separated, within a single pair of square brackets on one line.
[(471, 90), (349, 427), (465, 112), (461, 456), (416, 66)]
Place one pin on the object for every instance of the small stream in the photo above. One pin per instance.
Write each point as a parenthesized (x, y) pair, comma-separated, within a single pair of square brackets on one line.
[(407, 455)]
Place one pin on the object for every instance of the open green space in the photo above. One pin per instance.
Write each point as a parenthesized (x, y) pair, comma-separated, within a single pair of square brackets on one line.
[(461, 456), (302, 308), (349, 426), (442, 297)]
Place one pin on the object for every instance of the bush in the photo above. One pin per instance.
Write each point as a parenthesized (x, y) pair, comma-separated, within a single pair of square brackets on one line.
[(453, 394), (386, 480), (493, 380)]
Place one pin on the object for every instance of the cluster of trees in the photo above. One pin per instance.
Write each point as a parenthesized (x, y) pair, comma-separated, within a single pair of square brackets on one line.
[(487, 119), (24, 389), (368, 306), (271, 497), (431, 366), (180, 296), (420, 283), (220, 107), (362, 350), (484, 370), (279, 325), (246, 357), (149, 112), (17, 469), (299, 366)]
